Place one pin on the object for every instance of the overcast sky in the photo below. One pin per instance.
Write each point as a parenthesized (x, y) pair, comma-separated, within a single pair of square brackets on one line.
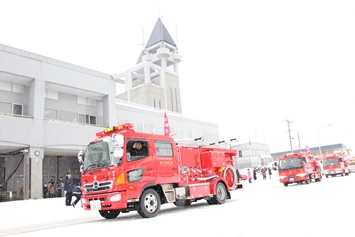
[(246, 65)]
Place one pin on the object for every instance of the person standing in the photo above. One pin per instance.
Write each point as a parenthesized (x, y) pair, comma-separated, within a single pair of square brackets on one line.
[(77, 194), (45, 190), (68, 189), (249, 176), (51, 189), (254, 174), (60, 186), (238, 175), (270, 172)]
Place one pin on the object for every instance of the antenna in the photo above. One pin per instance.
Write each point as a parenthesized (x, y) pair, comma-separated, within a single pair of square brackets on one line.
[(143, 42), (177, 43)]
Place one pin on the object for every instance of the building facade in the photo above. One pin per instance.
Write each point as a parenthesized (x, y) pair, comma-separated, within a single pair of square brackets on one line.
[(49, 110), (252, 154)]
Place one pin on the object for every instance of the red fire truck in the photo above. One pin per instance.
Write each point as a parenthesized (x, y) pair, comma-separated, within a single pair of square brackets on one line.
[(117, 178), (335, 164), (298, 167)]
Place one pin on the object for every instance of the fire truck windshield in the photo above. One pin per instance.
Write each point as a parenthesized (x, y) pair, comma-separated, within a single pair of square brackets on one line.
[(329, 162), (290, 163), (97, 156)]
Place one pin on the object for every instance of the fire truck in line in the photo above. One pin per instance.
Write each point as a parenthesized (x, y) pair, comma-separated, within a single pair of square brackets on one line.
[(115, 179), (297, 168), (351, 165), (335, 164)]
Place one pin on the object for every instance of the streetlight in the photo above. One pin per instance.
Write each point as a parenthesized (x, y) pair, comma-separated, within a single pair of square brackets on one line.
[(320, 151)]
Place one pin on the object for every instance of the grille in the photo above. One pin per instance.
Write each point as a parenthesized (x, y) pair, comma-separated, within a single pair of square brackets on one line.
[(98, 186)]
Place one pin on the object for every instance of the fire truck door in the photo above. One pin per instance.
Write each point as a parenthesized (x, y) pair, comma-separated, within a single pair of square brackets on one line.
[(166, 161), (140, 169)]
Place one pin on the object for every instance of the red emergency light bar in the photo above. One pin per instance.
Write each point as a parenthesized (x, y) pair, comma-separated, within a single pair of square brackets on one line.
[(293, 154), (117, 128)]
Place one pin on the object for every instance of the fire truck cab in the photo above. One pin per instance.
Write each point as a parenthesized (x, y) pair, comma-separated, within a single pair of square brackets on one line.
[(335, 164), (125, 171), (351, 166), (298, 168)]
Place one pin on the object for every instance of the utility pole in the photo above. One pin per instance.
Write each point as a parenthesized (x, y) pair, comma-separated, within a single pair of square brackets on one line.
[(299, 142), (289, 132)]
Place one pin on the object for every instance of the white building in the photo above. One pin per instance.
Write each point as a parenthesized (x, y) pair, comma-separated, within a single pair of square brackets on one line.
[(50, 109), (252, 154)]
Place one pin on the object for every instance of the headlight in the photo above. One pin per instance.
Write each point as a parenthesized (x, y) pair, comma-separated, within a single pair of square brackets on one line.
[(283, 177), (115, 198)]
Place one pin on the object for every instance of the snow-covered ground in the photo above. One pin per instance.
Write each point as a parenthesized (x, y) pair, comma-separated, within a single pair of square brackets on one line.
[(264, 208)]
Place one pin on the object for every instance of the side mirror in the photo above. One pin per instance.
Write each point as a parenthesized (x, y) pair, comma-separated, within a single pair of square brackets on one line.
[(81, 156), (118, 153)]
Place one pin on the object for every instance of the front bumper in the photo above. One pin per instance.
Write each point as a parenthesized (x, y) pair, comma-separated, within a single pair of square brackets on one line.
[(292, 179), (104, 201)]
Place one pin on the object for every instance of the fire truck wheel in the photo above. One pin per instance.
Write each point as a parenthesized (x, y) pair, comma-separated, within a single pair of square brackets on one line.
[(285, 184), (109, 214), (149, 205), (221, 193), (307, 181)]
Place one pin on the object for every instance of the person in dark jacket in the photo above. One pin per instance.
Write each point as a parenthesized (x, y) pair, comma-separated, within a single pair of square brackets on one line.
[(270, 172), (60, 186), (238, 175), (254, 174), (76, 193), (68, 189)]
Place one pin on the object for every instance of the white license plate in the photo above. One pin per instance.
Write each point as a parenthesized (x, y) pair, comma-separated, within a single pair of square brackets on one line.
[(95, 205), (291, 179)]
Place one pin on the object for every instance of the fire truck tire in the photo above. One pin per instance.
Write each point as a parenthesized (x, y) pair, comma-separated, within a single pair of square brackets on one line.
[(285, 184), (149, 205), (307, 181), (221, 193), (109, 214), (234, 174)]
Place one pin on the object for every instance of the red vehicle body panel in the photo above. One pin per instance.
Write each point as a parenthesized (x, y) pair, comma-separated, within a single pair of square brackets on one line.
[(298, 168), (176, 172), (334, 165)]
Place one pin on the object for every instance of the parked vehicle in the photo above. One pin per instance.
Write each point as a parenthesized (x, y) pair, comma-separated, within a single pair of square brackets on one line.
[(116, 178)]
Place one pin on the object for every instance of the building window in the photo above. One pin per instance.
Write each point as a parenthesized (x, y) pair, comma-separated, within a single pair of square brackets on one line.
[(86, 119), (50, 114), (86, 101), (240, 153), (52, 94), (13, 87), (5, 108), (17, 109), (9, 108)]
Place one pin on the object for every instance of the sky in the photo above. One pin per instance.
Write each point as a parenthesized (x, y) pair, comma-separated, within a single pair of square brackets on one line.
[(248, 66)]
